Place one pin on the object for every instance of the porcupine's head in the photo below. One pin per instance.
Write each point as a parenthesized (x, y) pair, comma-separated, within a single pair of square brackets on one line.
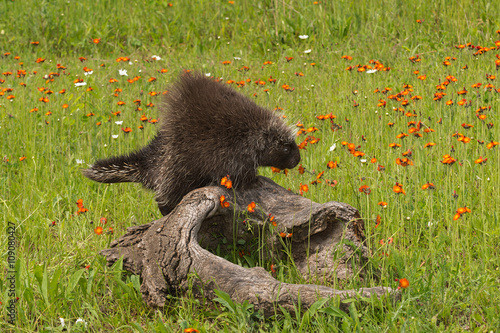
[(278, 147)]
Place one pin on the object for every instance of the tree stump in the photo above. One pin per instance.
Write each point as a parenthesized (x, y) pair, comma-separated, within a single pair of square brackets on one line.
[(327, 242)]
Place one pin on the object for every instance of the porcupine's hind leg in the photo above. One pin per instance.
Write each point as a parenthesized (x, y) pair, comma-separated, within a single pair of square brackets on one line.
[(176, 183), (169, 194)]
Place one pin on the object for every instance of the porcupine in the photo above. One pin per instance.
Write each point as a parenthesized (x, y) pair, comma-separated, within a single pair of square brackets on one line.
[(207, 131)]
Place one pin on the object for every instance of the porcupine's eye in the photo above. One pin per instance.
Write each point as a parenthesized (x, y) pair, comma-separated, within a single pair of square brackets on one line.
[(286, 148)]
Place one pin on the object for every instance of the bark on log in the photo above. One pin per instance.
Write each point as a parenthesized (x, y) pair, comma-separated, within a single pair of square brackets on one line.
[(327, 242)]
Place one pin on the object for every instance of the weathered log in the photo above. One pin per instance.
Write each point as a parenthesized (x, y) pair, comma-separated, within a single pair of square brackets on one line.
[(326, 241)]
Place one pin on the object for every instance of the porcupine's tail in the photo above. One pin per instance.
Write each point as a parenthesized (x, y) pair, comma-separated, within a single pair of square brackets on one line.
[(137, 167), (118, 169)]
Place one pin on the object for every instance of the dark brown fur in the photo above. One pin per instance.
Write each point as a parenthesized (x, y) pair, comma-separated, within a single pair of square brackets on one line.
[(208, 131)]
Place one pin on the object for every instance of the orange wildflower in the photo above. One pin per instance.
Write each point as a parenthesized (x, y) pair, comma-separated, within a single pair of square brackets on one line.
[(303, 188), (480, 160), (81, 209), (491, 144), (190, 329), (404, 161), (429, 144), (447, 159), (325, 117), (223, 203), (365, 189), (251, 207), (398, 189), (332, 165), (403, 283), (464, 139), (460, 212), (429, 186), (358, 154), (225, 181)]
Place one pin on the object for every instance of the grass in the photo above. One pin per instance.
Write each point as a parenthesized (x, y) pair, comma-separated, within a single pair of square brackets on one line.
[(452, 265)]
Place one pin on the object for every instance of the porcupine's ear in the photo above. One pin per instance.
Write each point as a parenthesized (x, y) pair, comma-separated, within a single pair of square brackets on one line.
[(269, 138)]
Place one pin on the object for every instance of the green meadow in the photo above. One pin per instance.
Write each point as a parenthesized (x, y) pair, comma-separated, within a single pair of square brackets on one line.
[(396, 104)]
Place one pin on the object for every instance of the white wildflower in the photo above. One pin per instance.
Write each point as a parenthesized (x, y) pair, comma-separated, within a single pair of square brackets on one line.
[(119, 122), (155, 57), (123, 72), (114, 136), (303, 36), (80, 320), (308, 51), (79, 84), (332, 148)]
